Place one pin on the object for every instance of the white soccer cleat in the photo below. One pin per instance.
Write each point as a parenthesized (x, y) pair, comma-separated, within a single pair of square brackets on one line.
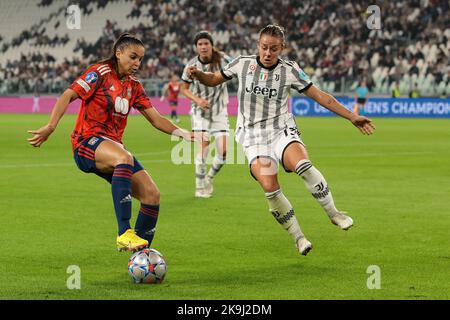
[(209, 188), (201, 193), (303, 245), (343, 221)]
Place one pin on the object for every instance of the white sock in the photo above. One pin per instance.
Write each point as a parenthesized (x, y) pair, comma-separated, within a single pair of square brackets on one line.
[(216, 165), (200, 172), (317, 185), (282, 210)]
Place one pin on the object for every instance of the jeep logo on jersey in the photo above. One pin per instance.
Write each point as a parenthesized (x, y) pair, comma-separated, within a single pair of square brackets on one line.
[(255, 89)]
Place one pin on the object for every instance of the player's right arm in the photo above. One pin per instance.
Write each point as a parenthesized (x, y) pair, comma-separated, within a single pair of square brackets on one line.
[(83, 87), (209, 79), (185, 89), (41, 135), (202, 103)]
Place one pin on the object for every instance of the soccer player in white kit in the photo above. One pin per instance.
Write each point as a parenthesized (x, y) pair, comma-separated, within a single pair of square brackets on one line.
[(268, 132), (208, 111)]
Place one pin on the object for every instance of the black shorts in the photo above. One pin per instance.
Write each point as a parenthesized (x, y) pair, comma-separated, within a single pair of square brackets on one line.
[(361, 100), (84, 157)]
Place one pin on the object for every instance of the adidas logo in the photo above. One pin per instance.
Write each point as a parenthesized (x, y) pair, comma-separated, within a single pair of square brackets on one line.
[(126, 199), (112, 88)]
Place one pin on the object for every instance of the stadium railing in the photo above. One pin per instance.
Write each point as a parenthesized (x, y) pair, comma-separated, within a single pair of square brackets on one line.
[(153, 87)]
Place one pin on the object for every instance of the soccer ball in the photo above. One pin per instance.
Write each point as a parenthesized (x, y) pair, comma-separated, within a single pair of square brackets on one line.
[(147, 266)]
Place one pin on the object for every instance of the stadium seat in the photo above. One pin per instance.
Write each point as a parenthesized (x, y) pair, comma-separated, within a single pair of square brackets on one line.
[(24, 16)]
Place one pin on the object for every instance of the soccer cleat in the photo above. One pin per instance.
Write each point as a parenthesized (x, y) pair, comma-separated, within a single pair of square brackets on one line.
[(303, 245), (130, 241), (343, 221), (209, 188), (201, 193)]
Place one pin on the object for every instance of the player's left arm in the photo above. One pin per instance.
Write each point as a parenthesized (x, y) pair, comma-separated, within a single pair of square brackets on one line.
[(364, 124), (166, 126), (143, 104)]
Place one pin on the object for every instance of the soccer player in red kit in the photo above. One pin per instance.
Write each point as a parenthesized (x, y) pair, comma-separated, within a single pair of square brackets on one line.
[(108, 91), (171, 90)]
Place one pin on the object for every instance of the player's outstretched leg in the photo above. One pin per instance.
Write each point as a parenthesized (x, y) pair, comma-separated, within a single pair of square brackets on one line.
[(216, 165), (146, 191), (121, 193), (113, 160), (177, 119), (200, 173), (130, 241), (283, 212), (317, 185), (146, 222), (217, 162)]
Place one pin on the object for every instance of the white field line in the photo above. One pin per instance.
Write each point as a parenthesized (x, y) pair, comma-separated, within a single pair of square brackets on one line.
[(350, 155)]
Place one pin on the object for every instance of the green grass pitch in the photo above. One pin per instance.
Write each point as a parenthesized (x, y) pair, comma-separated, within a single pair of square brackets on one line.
[(395, 184)]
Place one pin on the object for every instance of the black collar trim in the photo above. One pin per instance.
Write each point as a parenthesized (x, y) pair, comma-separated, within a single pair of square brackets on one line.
[(261, 65), (204, 63)]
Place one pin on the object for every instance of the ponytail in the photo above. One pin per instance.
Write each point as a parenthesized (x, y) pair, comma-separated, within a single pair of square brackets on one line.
[(216, 60), (124, 40)]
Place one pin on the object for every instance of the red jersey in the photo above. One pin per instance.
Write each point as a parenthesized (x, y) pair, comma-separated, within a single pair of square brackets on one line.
[(174, 90), (106, 102)]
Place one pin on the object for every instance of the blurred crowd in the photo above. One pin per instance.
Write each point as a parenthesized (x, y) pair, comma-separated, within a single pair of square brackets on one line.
[(37, 68), (329, 39)]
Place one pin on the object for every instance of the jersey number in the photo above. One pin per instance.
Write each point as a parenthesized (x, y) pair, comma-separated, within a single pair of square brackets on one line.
[(121, 105)]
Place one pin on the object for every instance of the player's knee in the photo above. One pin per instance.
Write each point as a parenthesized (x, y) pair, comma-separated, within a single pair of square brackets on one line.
[(205, 144), (124, 158), (269, 185), (151, 195)]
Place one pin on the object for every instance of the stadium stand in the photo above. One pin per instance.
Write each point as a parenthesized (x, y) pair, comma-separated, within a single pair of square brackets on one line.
[(329, 39)]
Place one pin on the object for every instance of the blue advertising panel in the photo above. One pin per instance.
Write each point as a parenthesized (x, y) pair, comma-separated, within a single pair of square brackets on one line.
[(379, 107)]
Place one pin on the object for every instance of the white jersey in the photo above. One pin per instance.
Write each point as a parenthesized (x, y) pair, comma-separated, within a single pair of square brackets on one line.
[(217, 97), (263, 97)]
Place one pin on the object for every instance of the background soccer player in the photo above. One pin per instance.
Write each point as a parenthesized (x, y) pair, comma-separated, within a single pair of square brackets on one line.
[(171, 90), (361, 97), (268, 132), (108, 91), (209, 111)]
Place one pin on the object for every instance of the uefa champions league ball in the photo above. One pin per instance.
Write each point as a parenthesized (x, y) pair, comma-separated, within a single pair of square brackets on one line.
[(147, 266)]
